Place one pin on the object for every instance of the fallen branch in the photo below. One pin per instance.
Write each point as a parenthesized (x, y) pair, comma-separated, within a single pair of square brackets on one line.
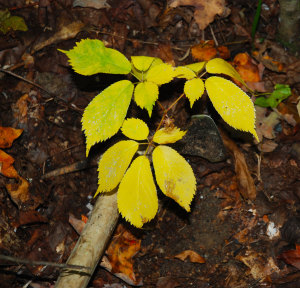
[(91, 245)]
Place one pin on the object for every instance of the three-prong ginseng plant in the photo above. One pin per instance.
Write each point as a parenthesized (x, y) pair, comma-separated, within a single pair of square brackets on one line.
[(121, 166)]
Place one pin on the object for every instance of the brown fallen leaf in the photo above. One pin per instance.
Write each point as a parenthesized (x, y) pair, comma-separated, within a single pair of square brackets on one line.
[(205, 10), (291, 257), (66, 32), (245, 180), (192, 255), (260, 267), (19, 192)]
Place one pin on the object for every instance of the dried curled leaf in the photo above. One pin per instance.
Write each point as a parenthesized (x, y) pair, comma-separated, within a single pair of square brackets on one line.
[(193, 89), (104, 115), (137, 198), (174, 175), (232, 103), (135, 129), (114, 163), (168, 135)]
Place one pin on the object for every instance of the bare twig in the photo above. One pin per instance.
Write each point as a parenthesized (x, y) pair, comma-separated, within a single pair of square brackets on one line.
[(18, 261)]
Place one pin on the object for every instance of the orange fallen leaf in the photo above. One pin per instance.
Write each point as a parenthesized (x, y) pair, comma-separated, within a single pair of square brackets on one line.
[(206, 50), (8, 135), (6, 165), (246, 68), (268, 61), (120, 253), (192, 255), (19, 192)]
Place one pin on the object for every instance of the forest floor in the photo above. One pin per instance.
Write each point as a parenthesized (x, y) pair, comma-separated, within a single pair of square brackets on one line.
[(244, 226)]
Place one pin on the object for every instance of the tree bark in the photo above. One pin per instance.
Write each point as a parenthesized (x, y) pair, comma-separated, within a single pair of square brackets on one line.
[(91, 245), (289, 29)]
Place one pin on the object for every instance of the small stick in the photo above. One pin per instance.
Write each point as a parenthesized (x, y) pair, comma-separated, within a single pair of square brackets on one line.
[(44, 263)]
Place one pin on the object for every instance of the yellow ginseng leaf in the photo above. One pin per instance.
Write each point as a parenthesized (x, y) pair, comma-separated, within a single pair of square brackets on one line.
[(137, 198), (114, 163), (160, 74), (196, 67), (90, 56), (184, 72), (142, 63), (220, 66), (104, 115), (174, 175), (232, 103), (135, 129), (145, 95), (193, 89), (168, 135)]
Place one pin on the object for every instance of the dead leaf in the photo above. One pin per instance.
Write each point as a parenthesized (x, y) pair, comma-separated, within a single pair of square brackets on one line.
[(291, 257), (192, 255), (166, 282), (205, 10), (6, 165), (206, 50), (120, 253), (65, 33), (77, 224), (19, 192), (265, 125), (260, 267), (97, 4), (8, 135), (267, 146), (245, 180), (246, 67)]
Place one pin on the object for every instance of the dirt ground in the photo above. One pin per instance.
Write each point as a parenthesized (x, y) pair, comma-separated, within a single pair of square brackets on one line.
[(243, 229)]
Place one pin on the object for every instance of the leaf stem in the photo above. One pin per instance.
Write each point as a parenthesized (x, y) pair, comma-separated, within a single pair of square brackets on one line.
[(163, 118)]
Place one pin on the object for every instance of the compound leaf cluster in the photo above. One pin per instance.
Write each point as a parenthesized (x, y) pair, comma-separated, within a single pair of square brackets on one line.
[(105, 115)]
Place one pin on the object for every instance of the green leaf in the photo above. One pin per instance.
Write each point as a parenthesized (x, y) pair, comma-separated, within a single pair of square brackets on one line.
[(174, 175), (90, 57), (280, 93), (135, 129), (220, 66), (160, 74), (262, 102), (196, 67), (232, 103), (8, 22), (137, 197), (193, 89), (114, 163), (104, 115), (145, 95), (142, 63)]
